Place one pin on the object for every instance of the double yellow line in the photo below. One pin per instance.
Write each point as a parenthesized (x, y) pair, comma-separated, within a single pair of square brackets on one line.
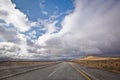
[(82, 73)]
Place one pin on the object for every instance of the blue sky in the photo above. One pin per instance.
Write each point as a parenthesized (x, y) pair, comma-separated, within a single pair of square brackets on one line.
[(59, 29), (34, 10)]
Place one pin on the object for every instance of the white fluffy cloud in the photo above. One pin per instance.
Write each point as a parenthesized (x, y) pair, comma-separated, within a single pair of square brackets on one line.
[(50, 29), (13, 40), (11, 15), (92, 28)]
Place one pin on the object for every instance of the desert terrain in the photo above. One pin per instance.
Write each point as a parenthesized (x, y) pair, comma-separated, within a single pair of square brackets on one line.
[(105, 63)]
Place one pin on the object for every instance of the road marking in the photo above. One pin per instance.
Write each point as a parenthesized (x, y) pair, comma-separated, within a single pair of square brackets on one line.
[(82, 73), (54, 71), (51, 74), (90, 75)]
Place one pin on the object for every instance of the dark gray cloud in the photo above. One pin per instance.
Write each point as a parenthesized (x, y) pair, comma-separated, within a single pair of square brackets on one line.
[(3, 13), (9, 35)]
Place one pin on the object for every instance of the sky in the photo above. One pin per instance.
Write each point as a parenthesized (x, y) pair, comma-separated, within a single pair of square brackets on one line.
[(59, 29)]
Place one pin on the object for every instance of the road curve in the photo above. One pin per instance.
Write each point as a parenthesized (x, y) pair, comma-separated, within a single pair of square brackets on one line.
[(66, 71)]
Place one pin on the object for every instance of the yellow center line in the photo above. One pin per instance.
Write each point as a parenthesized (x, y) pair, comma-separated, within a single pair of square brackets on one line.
[(82, 73)]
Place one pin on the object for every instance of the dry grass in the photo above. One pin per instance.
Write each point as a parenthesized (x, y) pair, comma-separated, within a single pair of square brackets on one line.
[(21, 63), (108, 64)]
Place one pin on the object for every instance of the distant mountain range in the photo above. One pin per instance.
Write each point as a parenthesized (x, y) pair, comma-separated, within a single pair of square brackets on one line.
[(37, 59)]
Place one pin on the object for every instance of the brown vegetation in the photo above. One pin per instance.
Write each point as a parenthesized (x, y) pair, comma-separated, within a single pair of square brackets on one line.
[(21, 63), (110, 64)]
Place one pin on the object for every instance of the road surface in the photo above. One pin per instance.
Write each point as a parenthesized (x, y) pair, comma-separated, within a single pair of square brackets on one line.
[(66, 71)]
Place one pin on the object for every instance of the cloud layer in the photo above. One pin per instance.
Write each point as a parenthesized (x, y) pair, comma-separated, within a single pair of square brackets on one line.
[(91, 29)]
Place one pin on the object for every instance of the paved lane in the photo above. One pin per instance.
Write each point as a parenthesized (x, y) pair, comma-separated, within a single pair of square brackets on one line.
[(97, 74), (67, 71), (61, 71)]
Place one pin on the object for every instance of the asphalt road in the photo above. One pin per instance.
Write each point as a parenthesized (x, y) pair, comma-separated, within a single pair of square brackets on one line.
[(66, 71)]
